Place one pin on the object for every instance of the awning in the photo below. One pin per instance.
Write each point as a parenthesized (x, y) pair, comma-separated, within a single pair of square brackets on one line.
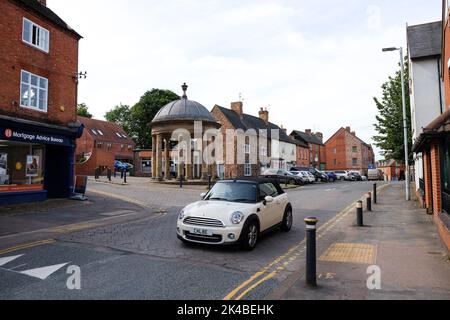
[(440, 127)]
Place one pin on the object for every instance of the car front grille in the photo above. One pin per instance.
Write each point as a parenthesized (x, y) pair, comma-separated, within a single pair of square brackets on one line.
[(204, 222), (206, 239)]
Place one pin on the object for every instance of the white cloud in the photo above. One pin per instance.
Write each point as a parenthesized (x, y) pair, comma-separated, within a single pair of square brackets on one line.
[(317, 64)]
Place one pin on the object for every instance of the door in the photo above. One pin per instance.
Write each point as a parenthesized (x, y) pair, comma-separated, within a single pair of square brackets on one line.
[(271, 215)]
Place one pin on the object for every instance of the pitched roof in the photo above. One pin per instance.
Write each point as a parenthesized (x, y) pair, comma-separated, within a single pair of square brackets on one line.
[(47, 13), (425, 40), (105, 131), (307, 138), (251, 122)]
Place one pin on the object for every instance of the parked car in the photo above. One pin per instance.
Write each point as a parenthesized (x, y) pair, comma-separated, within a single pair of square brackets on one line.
[(306, 176), (317, 174), (236, 212), (364, 178), (283, 176), (331, 176), (356, 176), (343, 175), (374, 175)]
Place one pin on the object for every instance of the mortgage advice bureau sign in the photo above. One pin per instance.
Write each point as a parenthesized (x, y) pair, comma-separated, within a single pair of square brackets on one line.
[(19, 135)]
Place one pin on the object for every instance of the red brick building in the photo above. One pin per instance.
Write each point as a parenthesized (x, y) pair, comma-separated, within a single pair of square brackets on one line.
[(315, 153), (38, 99), (101, 144), (345, 151), (434, 143)]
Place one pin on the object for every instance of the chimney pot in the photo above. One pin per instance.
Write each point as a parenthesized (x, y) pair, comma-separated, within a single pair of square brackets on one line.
[(308, 132), (264, 115), (238, 107)]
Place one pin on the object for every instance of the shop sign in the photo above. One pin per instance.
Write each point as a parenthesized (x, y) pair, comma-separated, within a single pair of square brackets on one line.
[(33, 137)]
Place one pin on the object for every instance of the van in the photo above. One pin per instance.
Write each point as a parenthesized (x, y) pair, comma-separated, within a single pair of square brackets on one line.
[(374, 175)]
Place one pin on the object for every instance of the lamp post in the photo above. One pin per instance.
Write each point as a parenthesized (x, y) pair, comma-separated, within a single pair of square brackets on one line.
[(405, 120)]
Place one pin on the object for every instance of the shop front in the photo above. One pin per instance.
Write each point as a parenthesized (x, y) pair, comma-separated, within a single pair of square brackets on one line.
[(36, 161)]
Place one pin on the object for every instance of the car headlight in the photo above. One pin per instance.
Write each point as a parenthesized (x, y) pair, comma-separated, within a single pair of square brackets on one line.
[(236, 217), (182, 215)]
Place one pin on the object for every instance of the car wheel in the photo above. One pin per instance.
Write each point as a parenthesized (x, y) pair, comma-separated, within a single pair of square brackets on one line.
[(250, 235), (342, 179), (288, 220), (292, 182)]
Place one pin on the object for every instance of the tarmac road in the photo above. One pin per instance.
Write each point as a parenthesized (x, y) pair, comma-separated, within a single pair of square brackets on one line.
[(143, 259)]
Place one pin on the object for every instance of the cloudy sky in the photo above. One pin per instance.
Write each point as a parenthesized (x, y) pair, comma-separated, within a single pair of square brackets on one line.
[(313, 64)]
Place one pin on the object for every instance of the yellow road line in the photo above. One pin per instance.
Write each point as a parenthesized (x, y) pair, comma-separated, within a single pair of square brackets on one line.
[(27, 246), (320, 231)]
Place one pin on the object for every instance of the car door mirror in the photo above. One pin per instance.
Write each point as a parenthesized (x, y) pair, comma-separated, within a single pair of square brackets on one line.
[(203, 195), (269, 199)]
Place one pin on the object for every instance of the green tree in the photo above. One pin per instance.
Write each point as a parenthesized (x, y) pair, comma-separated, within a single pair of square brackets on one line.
[(390, 138), (83, 111), (143, 112), (121, 114)]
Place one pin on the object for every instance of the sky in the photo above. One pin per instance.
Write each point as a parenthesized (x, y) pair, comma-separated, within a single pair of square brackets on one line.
[(314, 64)]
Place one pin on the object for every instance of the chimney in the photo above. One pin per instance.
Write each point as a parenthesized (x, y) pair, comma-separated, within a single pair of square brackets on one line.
[(43, 2), (319, 135), (283, 129), (308, 132), (348, 129), (354, 133), (264, 115), (238, 107)]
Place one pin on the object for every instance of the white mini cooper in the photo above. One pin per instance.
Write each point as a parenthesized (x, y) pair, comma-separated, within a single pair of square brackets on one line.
[(236, 211)]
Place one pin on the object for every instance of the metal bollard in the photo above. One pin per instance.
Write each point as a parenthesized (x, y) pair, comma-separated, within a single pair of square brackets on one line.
[(209, 182), (109, 173), (369, 201), (311, 258), (375, 200), (181, 181), (125, 176), (359, 214)]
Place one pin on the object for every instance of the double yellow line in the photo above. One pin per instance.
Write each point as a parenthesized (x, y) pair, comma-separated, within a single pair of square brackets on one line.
[(27, 246), (280, 264)]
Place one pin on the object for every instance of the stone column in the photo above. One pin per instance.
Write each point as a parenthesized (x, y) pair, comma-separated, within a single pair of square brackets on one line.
[(159, 157), (153, 157), (167, 156)]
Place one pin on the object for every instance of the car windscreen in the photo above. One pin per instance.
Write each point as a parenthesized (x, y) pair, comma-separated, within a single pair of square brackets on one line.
[(233, 192)]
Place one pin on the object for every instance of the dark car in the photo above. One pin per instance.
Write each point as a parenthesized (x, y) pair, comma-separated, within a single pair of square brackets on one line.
[(356, 176), (331, 176), (283, 176)]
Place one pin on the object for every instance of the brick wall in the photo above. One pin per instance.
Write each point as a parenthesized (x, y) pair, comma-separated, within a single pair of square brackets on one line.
[(58, 66), (427, 179), (436, 178), (302, 156)]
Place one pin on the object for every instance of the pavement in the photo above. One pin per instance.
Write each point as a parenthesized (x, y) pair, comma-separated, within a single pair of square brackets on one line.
[(399, 242)]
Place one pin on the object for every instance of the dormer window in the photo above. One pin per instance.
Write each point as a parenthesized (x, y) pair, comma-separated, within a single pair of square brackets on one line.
[(35, 35)]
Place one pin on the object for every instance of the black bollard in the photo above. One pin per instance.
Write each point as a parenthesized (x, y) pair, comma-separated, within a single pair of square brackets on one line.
[(369, 201), (109, 173), (181, 181), (311, 258), (125, 176), (209, 182), (375, 200), (359, 214)]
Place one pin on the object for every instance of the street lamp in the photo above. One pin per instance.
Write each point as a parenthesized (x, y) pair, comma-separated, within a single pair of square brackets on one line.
[(405, 121)]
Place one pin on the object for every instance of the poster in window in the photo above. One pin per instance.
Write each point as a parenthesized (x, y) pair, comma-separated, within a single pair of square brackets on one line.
[(32, 166), (3, 163)]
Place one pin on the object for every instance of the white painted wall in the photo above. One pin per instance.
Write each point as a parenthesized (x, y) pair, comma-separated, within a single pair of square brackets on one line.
[(425, 86), (284, 150)]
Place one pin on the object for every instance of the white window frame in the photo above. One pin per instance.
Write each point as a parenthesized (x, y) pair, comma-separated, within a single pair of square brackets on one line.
[(45, 46), (248, 170), (247, 148), (38, 89)]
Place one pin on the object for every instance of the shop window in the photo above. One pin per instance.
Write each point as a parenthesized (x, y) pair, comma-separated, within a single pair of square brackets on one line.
[(21, 166), (33, 91)]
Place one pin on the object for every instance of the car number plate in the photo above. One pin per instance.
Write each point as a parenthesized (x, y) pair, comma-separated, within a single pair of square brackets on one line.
[(202, 232)]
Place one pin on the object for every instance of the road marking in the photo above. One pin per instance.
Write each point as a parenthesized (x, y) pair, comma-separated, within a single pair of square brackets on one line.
[(320, 232), (45, 272), (26, 246), (6, 260)]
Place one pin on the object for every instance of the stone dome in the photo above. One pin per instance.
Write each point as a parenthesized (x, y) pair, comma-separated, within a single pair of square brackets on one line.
[(183, 110)]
